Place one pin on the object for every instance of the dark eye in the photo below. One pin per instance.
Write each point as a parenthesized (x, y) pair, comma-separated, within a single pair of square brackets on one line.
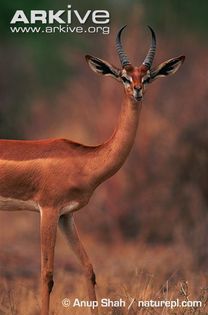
[(146, 80), (125, 80)]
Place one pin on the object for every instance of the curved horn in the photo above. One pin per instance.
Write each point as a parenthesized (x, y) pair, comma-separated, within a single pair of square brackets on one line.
[(122, 56), (151, 53)]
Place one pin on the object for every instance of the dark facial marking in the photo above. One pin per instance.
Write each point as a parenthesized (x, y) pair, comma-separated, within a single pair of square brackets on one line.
[(125, 80)]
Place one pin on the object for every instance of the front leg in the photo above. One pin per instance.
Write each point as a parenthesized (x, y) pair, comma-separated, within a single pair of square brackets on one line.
[(69, 229), (48, 229)]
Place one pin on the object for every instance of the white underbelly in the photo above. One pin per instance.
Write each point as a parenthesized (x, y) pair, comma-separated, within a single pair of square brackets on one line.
[(71, 207), (10, 204)]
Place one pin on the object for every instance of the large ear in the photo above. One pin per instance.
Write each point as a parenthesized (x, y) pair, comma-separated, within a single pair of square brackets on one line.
[(103, 67), (166, 68)]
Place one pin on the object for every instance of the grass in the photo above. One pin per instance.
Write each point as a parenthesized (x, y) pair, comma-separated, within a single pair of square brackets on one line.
[(124, 270)]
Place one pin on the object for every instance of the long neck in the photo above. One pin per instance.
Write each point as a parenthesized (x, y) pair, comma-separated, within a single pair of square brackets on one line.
[(111, 155)]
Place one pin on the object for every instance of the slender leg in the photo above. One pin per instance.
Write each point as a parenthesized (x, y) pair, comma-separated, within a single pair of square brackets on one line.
[(69, 229), (48, 229)]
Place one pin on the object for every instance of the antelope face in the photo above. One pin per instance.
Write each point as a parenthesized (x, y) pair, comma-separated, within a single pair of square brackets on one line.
[(135, 79)]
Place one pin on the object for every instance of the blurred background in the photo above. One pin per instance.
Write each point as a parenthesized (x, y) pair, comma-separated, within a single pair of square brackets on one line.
[(158, 202)]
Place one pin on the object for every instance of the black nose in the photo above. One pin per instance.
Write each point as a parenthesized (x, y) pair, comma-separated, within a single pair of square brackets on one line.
[(138, 93)]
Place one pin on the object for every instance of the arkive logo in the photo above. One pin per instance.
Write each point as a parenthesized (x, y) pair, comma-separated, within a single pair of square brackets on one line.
[(64, 18), (61, 16)]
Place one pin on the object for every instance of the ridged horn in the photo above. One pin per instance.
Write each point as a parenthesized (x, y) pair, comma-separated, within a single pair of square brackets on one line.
[(122, 55), (151, 53)]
